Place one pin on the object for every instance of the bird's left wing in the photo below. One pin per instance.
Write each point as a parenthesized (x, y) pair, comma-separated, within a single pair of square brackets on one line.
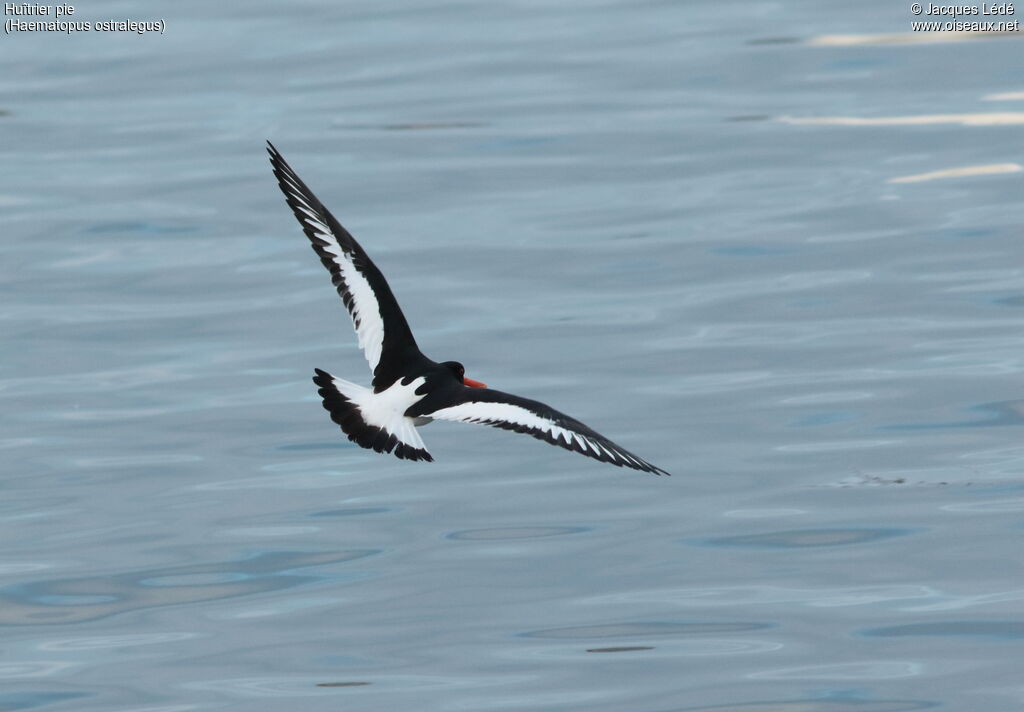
[(384, 335), (522, 415)]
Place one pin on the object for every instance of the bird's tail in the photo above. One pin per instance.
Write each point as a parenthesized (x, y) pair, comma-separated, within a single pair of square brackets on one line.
[(341, 399)]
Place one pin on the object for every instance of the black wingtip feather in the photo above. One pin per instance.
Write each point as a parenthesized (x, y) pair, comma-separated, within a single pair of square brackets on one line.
[(346, 414)]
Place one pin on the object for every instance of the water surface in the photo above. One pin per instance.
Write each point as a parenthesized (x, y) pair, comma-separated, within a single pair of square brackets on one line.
[(736, 245)]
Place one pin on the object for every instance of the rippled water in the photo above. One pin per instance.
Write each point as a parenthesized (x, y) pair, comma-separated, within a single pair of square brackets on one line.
[(772, 247)]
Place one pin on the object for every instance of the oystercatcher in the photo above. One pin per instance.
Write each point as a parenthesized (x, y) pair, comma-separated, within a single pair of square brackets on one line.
[(408, 388)]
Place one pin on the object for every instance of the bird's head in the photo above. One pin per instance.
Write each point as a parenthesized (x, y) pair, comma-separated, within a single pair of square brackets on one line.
[(460, 373)]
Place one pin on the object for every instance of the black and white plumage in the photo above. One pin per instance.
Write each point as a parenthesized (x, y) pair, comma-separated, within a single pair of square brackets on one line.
[(409, 389)]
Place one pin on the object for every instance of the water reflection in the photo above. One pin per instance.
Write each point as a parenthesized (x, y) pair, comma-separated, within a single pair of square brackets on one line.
[(995, 414), (906, 38), (806, 538), (109, 642), (351, 512), (621, 649), (994, 630), (963, 172), (37, 668), (82, 599), (868, 670), (12, 701), (827, 705), (501, 533), (636, 630), (1005, 118)]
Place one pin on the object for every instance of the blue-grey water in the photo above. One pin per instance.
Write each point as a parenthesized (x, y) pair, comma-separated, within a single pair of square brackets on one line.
[(784, 265)]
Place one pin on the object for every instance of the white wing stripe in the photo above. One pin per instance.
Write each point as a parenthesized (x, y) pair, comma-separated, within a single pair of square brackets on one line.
[(317, 225), (365, 312), (312, 215), (523, 419), (584, 442), (630, 458), (332, 249), (364, 308), (296, 191), (300, 201), (478, 412)]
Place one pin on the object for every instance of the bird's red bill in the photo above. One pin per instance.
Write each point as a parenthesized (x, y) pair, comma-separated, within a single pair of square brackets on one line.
[(473, 384)]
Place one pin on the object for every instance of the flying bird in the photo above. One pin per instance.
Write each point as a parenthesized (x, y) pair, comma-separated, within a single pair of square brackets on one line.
[(409, 389)]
